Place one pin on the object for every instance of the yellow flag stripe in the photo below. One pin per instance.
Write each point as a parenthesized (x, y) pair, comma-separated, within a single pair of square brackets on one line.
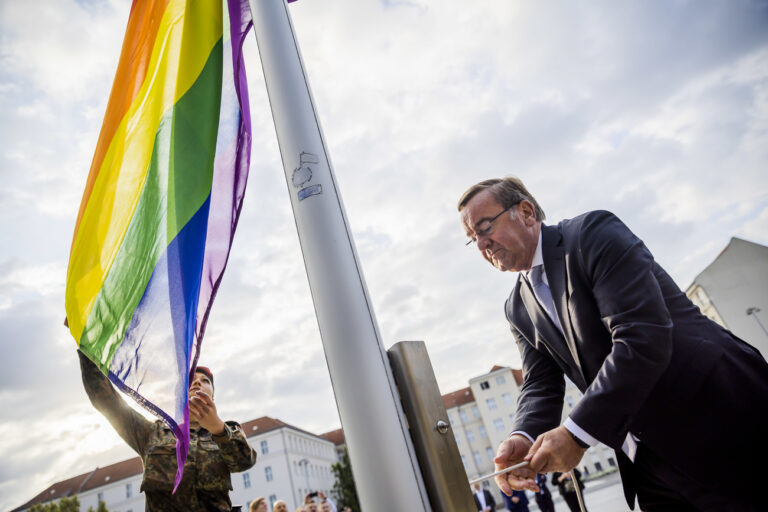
[(185, 40)]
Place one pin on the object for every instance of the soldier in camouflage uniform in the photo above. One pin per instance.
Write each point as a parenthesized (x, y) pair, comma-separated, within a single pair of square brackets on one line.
[(206, 482)]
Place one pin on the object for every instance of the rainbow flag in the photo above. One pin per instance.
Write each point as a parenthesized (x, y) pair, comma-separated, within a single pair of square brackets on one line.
[(162, 201)]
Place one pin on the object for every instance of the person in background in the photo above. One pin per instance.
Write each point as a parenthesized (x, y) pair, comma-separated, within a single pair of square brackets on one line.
[(216, 448), (543, 497), (517, 502), (326, 503), (280, 506), (258, 505), (567, 489), (483, 499)]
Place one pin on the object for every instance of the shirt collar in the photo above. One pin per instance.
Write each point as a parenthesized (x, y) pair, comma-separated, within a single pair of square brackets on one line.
[(538, 258)]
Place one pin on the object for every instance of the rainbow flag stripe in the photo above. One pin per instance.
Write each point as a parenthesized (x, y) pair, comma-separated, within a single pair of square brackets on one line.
[(162, 200)]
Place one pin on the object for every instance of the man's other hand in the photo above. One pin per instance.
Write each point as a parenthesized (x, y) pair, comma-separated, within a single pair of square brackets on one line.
[(512, 451), (555, 450)]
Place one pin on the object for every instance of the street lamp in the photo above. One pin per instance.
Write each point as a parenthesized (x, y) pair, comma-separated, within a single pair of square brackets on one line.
[(753, 311)]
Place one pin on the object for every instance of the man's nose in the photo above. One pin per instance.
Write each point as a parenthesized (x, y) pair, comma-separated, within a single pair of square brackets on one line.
[(483, 242)]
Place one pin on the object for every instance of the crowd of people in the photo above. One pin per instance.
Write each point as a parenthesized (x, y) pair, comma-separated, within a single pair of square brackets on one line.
[(313, 502)]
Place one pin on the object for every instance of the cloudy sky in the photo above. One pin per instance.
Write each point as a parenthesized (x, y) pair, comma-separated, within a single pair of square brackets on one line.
[(657, 111)]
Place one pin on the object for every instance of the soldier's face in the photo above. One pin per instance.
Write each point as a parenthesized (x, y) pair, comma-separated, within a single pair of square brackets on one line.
[(310, 508), (201, 382)]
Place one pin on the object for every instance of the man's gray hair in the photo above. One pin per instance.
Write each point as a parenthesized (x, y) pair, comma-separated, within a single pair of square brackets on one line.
[(507, 191)]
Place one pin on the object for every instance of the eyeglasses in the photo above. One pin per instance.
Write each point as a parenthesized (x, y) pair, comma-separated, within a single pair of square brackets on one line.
[(485, 227)]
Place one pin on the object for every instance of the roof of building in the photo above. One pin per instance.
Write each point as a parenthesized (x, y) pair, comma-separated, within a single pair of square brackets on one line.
[(113, 473), (87, 481), (266, 424), (58, 490), (335, 436), (457, 398), (758, 249)]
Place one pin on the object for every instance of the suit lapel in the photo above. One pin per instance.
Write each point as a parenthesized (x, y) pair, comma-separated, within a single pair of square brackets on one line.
[(554, 266), (543, 324)]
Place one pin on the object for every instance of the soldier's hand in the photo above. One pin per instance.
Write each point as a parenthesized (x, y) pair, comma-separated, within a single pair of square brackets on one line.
[(555, 451), (512, 451), (203, 410)]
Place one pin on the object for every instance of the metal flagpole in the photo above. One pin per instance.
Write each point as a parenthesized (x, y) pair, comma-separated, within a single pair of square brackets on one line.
[(385, 468)]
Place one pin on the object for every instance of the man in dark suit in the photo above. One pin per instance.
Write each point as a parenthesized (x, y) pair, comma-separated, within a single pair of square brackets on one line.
[(516, 502), (680, 399), (483, 499)]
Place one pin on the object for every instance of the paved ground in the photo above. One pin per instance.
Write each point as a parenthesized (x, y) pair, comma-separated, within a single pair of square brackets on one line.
[(603, 495)]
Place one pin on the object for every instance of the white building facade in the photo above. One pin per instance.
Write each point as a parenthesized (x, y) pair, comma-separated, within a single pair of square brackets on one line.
[(482, 415), (733, 291)]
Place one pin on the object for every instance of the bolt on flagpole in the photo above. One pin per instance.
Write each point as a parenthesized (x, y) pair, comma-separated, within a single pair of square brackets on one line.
[(387, 475)]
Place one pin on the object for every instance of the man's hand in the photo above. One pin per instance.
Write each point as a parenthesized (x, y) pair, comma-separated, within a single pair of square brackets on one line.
[(554, 451), (203, 410), (512, 451)]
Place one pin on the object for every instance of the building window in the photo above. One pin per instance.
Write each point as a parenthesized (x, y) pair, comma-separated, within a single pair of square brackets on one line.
[(586, 471), (611, 462), (264, 448), (100, 497), (458, 441), (598, 467), (570, 401), (128, 490), (475, 411), (272, 500), (491, 403), (512, 418), (464, 461), (499, 424), (484, 385), (507, 397), (476, 456), (500, 380), (450, 418), (489, 453), (268, 473), (482, 431), (463, 415), (246, 480), (470, 435)]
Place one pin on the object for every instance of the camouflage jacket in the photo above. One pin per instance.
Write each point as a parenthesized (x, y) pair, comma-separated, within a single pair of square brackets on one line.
[(206, 482)]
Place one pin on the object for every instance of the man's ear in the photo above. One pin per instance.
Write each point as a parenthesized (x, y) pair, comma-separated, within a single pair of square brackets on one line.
[(527, 212)]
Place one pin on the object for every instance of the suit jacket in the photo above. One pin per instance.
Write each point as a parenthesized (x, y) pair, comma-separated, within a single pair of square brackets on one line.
[(639, 350), (520, 506), (489, 501)]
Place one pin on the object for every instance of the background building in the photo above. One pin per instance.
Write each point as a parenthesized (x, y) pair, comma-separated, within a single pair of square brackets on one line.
[(482, 414), (733, 291), (291, 462)]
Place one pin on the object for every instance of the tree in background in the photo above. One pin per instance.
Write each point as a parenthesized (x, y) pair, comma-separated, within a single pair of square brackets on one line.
[(344, 487), (101, 508), (63, 505)]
